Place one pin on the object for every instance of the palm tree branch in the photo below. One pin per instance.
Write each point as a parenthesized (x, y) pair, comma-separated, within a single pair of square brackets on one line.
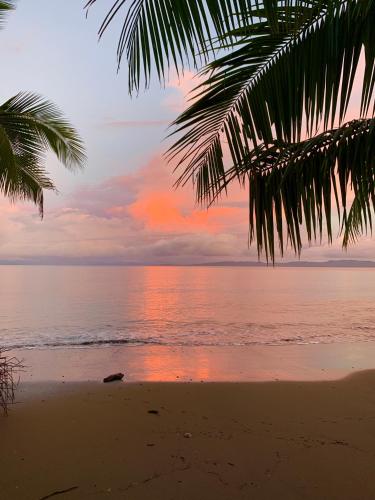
[(37, 125), (295, 184), (27, 181), (244, 101), (29, 127)]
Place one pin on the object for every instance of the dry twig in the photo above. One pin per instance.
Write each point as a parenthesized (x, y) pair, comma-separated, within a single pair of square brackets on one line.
[(59, 492), (9, 366)]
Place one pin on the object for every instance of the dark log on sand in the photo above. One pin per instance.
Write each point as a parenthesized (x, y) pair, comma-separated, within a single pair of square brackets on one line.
[(112, 378)]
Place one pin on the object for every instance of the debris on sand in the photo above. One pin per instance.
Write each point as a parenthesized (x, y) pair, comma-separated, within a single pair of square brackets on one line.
[(113, 377)]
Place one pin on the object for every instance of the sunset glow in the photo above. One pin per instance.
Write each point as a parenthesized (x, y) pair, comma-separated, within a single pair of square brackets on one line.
[(123, 207)]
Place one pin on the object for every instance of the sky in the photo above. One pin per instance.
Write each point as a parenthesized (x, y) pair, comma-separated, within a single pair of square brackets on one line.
[(122, 208)]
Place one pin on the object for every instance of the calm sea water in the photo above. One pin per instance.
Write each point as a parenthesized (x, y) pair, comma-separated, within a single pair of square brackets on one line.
[(101, 306)]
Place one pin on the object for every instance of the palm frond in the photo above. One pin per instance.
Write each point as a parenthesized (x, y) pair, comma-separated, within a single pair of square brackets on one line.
[(29, 128), (295, 185), (5, 7), (35, 125), (275, 81), (162, 33), (27, 181)]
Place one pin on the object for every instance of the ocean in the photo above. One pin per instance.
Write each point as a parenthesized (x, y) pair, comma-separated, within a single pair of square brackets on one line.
[(58, 306)]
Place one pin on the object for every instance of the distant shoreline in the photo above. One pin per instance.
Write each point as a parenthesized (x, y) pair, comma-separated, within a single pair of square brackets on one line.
[(327, 263), (342, 263)]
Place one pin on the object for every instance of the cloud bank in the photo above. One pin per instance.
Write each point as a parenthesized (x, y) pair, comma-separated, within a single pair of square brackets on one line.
[(139, 218)]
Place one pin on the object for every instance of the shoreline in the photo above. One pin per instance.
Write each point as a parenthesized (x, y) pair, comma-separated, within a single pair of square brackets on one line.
[(241, 440), (298, 362)]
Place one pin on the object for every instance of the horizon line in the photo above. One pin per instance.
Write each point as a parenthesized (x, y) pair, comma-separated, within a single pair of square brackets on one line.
[(354, 263)]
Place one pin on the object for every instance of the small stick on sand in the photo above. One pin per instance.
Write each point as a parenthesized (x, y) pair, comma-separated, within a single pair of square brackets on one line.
[(59, 492)]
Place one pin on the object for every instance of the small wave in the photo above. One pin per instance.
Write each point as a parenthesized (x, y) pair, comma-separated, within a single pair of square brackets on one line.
[(289, 340), (364, 328), (148, 342), (134, 342), (84, 343)]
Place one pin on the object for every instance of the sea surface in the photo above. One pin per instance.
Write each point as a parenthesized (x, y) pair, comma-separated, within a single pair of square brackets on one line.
[(54, 307)]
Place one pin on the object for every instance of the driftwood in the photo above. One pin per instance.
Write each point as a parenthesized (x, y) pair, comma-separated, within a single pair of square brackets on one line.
[(9, 366), (112, 378)]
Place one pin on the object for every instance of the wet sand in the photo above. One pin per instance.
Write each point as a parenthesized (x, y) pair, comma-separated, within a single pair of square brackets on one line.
[(259, 440), (195, 363)]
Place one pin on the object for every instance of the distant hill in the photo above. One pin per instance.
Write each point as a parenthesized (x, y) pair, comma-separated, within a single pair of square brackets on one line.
[(328, 263)]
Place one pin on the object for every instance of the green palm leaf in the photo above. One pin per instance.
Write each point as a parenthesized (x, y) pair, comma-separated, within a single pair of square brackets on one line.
[(29, 128), (275, 84), (162, 33), (26, 180), (37, 124), (293, 185), (5, 7)]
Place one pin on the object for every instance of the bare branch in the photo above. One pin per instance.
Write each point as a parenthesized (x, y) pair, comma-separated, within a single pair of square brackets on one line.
[(9, 366)]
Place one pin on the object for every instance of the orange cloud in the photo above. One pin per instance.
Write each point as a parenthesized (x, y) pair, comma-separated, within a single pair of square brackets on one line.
[(165, 211)]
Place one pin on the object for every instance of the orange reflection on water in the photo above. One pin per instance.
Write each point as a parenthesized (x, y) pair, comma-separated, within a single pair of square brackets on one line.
[(160, 293), (172, 295), (171, 365), (165, 302)]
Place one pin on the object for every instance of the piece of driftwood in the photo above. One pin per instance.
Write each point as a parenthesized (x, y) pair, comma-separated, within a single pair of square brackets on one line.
[(113, 377)]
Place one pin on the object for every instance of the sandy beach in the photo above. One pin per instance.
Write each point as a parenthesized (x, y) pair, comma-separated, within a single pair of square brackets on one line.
[(289, 440)]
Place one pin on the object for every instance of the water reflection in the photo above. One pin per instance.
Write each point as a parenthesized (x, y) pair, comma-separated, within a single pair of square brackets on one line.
[(185, 305), (174, 364)]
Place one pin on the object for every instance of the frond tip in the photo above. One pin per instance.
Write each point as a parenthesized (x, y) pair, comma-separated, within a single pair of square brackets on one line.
[(5, 7), (159, 34)]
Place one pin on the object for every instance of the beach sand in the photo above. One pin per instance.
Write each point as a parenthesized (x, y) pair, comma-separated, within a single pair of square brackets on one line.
[(258, 440)]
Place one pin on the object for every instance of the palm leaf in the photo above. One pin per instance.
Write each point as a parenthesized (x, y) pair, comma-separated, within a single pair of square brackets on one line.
[(5, 7), (29, 128), (162, 33), (27, 180), (275, 84), (293, 185), (38, 125)]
